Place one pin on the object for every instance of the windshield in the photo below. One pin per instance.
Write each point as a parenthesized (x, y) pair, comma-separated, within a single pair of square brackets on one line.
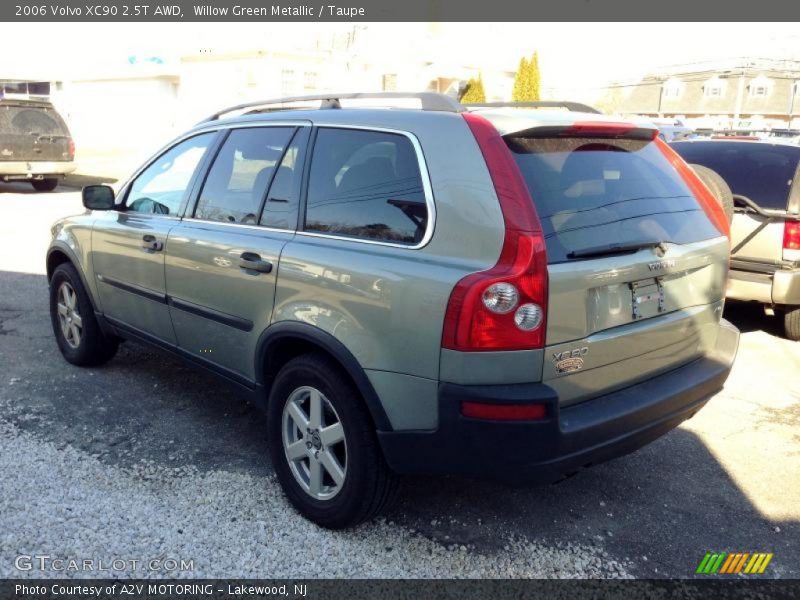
[(592, 192)]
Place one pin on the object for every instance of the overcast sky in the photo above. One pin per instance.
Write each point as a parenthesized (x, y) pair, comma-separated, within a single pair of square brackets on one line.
[(572, 55)]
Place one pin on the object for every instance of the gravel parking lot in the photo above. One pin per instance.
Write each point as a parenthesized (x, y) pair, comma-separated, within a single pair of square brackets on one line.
[(145, 459)]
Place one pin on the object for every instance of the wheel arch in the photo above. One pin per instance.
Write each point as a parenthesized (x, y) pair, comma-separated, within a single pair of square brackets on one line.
[(283, 341), (59, 254)]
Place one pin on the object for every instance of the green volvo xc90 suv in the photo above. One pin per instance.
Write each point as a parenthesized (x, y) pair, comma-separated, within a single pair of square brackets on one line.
[(502, 292)]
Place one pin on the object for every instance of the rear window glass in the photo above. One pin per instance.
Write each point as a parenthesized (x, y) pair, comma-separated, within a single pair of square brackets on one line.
[(762, 172), (591, 193), (27, 120)]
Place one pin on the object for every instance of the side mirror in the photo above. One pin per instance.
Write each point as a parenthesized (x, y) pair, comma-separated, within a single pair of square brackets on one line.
[(98, 197)]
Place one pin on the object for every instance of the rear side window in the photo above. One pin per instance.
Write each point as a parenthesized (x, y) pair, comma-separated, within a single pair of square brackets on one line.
[(237, 182), (762, 172), (594, 192), (366, 184)]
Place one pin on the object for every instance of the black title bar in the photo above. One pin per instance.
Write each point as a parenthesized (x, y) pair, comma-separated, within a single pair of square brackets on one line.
[(334, 589), (401, 10)]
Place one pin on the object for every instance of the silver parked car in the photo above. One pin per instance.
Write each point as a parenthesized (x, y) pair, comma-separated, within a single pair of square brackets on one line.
[(764, 178), (498, 292)]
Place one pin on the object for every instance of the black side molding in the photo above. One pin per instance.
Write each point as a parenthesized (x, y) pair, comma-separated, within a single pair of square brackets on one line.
[(134, 289), (184, 305), (211, 314)]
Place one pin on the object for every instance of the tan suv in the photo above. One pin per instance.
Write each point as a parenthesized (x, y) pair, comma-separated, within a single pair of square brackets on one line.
[(764, 177), (35, 143)]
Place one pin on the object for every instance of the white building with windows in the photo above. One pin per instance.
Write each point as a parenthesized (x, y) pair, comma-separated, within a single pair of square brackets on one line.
[(132, 105), (744, 94)]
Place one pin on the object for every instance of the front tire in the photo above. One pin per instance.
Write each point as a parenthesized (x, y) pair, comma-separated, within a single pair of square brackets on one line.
[(323, 445), (45, 185), (75, 326)]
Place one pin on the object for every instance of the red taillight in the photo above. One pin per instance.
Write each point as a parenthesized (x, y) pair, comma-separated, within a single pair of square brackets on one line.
[(791, 235), (503, 412), (71, 149), (712, 208), (470, 325)]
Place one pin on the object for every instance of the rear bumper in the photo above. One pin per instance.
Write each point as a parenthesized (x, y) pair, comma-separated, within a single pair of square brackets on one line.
[(782, 286), (570, 438), (34, 169)]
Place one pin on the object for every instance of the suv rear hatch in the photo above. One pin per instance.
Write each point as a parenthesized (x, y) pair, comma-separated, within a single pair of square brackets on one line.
[(33, 131), (636, 267)]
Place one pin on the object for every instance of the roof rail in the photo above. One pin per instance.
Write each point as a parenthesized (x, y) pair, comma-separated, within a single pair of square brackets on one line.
[(429, 101), (570, 106)]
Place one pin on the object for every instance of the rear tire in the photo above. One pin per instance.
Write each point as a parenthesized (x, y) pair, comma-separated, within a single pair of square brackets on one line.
[(353, 456), (75, 326), (791, 323), (718, 187), (45, 185)]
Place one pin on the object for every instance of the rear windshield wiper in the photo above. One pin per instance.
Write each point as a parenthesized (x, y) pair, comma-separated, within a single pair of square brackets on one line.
[(612, 249)]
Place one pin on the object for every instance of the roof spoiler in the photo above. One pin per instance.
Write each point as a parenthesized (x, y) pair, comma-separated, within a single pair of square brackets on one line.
[(592, 129), (569, 105)]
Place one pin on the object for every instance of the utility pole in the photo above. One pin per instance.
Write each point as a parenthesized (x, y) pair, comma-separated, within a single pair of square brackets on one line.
[(660, 95), (739, 99)]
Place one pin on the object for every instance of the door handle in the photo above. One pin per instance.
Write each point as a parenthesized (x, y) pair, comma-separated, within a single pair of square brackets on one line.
[(251, 261), (149, 242)]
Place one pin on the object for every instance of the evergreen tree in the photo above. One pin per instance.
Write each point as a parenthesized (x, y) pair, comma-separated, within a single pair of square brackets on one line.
[(518, 93), (474, 92), (534, 78)]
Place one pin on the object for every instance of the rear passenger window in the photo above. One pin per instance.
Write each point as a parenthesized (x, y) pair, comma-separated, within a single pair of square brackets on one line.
[(237, 182), (366, 184)]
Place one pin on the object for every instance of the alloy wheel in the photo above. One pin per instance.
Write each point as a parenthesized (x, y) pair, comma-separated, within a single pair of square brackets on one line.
[(68, 316), (314, 443)]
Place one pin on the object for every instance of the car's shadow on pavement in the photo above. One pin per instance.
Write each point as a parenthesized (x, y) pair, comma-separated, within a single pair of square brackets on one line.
[(659, 509), (750, 316), (662, 508)]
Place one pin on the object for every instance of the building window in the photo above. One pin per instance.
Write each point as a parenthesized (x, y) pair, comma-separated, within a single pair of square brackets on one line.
[(390, 82), (310, 81), (672, 88), (714, 88), (287, 81), (759, 87)]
